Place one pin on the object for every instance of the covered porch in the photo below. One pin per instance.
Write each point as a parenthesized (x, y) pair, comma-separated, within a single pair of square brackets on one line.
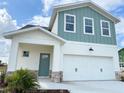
[(38, 58), (38, 50)]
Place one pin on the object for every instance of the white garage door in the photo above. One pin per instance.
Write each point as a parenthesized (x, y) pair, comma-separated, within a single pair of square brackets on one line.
[(87, 68)]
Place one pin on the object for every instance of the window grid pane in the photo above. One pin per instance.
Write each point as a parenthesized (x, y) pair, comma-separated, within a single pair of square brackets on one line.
[(105, 28), (88, 22), (105, 25), (88, 26), (70, 19), (105, 31), (70, 27), (88, 29), (69, 23)]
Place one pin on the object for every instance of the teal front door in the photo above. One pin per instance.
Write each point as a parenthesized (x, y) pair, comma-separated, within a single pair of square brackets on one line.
[(44, 64)]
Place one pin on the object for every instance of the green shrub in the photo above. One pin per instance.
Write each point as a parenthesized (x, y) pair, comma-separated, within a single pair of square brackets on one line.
[(2, 80), (21, 81), (2, 77)]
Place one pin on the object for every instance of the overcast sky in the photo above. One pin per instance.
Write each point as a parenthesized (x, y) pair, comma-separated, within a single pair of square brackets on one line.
[(17, 13)]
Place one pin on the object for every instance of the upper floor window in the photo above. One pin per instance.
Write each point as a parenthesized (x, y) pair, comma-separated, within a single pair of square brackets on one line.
[(88, 26), (105, 28), (69, 24)]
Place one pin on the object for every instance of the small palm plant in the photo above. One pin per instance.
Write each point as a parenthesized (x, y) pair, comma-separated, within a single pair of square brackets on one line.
[(21, 80)]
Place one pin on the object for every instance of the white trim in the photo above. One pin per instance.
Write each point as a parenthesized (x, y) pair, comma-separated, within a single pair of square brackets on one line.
[(43, 77), (91, 44), (70, 23), (54, 29), (92, 26), (102, 28), (9, 34)]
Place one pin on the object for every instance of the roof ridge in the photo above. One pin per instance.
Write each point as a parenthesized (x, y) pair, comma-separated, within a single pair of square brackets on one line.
[(73, 5)]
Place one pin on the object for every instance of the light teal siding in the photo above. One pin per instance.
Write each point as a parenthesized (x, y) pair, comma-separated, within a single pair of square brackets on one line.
[(79, 35)]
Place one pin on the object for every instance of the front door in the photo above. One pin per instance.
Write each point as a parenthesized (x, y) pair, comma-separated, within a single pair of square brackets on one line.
[(44, 64)]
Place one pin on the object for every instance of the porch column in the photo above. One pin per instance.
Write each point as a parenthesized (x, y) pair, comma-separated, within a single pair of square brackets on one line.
[(13, 57), (56, 70)]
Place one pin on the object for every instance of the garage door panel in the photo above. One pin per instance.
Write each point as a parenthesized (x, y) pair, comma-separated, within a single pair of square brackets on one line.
[(87, 68)]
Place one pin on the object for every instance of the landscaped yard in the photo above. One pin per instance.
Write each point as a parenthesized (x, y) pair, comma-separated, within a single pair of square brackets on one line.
[(23, 81), (26, 81)]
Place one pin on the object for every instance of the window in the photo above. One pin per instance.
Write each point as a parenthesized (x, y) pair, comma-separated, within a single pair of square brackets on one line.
[(105, 28), (69, 25), (25, 53), (88, 26)]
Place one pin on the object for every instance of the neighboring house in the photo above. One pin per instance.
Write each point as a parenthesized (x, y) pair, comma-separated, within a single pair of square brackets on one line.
[(79, 44), (121, 57)]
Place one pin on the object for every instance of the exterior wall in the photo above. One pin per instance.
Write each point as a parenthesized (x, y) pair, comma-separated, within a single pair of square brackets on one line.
[(100, 50), (55, 26), (35, 42), (37, 38), (79, 35), (32, 62)]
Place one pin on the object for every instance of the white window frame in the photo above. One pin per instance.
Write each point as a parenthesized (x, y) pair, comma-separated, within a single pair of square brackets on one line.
[(105, 28), (92, 26), (70, 23)]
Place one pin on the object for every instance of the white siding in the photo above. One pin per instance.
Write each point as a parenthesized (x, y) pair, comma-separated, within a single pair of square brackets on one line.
[(37, 38), (77, 48), (37, 42), (55, 26), (32, 62)]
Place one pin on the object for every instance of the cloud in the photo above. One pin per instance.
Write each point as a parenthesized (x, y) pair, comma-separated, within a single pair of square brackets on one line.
[(39, 20), (120, 33), (120, 26), (107, 4), (6, 24), (4, 3), (6, 21), (122, 43), (47, 4)]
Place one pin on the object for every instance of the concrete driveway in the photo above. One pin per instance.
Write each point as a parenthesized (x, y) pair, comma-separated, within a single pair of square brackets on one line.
[(85, 86)]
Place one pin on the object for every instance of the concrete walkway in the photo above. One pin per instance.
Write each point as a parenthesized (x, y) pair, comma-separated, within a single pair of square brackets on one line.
[(85, 86)]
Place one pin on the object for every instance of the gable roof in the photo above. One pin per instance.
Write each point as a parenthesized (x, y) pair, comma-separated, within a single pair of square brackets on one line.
[(30, 25), (9, 35), (81, 4)]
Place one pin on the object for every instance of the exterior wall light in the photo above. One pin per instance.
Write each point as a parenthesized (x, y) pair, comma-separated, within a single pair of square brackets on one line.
[(91, 49)]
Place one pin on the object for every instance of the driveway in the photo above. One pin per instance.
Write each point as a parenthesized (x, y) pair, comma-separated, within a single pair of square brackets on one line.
[(85, 86)]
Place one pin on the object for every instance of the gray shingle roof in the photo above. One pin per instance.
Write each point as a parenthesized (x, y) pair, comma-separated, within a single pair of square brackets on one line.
[(29, 26)]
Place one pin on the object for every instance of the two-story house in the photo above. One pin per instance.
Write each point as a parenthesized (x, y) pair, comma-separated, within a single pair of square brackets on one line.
[(79, 44)]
